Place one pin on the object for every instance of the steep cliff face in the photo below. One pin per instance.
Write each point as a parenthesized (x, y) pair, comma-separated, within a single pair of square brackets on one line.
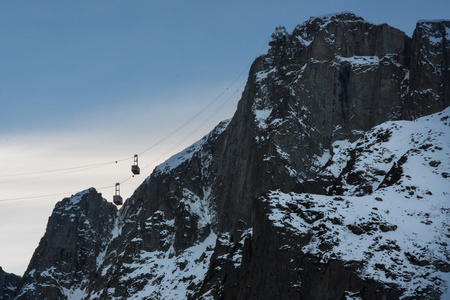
[(430, 68), (265, 205)]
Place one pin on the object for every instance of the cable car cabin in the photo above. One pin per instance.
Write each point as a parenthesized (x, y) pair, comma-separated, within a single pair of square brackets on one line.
[(117, 199), (135, 168)]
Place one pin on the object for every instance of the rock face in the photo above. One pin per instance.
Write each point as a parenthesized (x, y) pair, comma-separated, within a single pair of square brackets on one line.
[(284, 201), (8, 284)]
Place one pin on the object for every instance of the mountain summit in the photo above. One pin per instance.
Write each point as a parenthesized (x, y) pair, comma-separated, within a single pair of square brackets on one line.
[(329, 182)]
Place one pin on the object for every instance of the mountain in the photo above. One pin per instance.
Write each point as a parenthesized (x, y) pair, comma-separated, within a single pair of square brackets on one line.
[(77, 232), (329, 182)]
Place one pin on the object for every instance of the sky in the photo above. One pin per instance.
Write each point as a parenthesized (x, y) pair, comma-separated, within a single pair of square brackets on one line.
[(84, 84)]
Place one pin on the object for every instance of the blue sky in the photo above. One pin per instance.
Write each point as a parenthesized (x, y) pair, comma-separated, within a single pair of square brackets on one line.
[(83, 82), (61, 59)]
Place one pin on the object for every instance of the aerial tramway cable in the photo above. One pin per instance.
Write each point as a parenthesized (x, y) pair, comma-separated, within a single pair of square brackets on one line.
[(63, 169), (11, 201), (190, 134), (193, 131), (186, 137), (73, 169), (54, 172), (51, 173)]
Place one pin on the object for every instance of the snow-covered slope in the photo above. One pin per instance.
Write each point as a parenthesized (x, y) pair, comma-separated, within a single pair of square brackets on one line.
[(164, 274), (393, 213)]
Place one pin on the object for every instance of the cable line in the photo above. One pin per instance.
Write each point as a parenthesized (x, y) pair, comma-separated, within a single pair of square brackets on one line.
[(54, 170), (193, 131), (52, 174), (209, 105), (18, 200), (9, 201), (65, 170), (112, 162), (34, 197), (120, 160), (195, 116), (184, 138)]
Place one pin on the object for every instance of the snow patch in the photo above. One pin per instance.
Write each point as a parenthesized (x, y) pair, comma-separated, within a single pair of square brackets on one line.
[(261, 116), (170, 276), (75, 199), (199, 207), (262, 75), (360, 60), (320, 161)]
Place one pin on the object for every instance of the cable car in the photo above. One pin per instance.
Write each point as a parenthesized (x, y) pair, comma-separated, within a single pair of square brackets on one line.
[(117, 199), (135, 168)]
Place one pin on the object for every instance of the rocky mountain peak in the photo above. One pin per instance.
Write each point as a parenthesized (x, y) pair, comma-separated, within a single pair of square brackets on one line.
[(344, 16), (347, 35), (316, 24), (77, 232)]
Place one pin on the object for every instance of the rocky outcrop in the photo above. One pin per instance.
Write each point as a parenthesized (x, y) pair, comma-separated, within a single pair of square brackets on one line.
[(66, 259), (429, 89), (199, 227), (8, 284)]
